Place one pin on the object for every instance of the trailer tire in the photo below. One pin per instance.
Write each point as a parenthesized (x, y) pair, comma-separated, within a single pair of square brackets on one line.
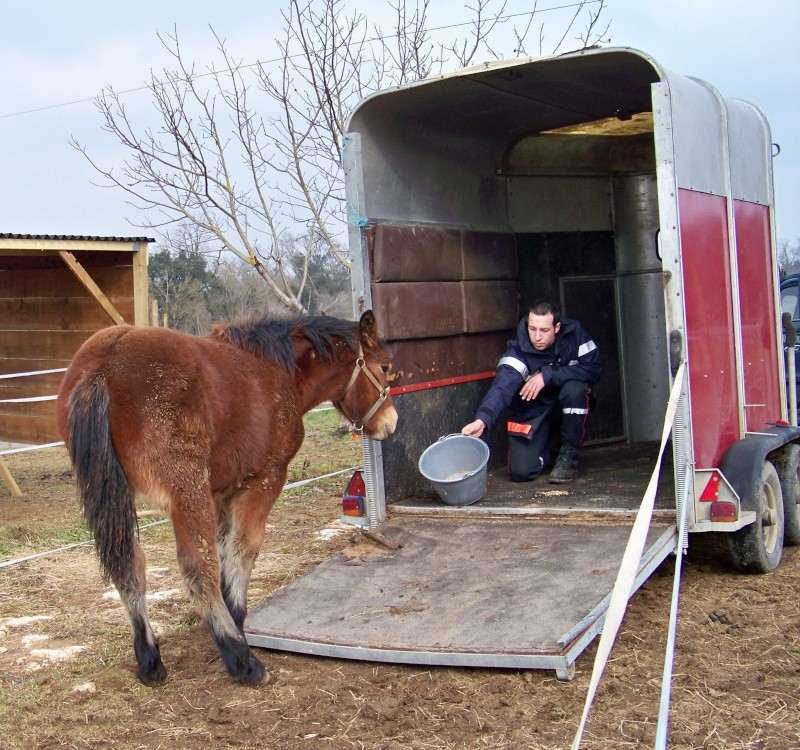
[(789, 472), (757, 547)]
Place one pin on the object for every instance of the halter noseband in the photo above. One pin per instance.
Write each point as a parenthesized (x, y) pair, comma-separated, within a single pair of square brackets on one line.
[(361, 366)]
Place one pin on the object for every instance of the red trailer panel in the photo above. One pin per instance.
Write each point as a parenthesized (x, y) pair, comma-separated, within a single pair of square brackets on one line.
[(757, 301), (709, 323)]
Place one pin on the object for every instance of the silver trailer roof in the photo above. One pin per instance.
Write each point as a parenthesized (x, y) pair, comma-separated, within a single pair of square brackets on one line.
[(431, 150)]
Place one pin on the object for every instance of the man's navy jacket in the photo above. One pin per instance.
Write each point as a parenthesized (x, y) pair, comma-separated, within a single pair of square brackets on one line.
[(572, 356)]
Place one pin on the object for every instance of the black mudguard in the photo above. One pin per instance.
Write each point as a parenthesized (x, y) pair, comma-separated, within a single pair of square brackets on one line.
[(742, 462)]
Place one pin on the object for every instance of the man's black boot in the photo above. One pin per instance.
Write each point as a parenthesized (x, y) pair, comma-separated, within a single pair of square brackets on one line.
[(566, 468)]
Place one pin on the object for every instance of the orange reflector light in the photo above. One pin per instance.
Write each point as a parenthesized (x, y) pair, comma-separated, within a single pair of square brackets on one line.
[(723, 510), (711, 492), (353, 505)]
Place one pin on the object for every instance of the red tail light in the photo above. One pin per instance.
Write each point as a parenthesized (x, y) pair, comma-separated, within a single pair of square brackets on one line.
[(355, 495), (356, 484)]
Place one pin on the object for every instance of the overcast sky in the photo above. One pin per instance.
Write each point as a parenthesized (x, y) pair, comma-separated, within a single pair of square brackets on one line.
[(57, 56)]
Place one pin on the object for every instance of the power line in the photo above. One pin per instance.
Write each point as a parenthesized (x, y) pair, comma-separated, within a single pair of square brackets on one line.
[(447, 27)]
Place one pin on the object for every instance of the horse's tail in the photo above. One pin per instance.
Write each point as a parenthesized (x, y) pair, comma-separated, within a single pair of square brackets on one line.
[(106, 497)]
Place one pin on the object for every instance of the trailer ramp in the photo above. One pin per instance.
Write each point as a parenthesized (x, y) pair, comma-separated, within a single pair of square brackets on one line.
[(488, 592)]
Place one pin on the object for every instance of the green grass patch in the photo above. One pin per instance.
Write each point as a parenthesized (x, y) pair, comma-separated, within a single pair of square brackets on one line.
[(49, 516), (20, 540), (328, 447)]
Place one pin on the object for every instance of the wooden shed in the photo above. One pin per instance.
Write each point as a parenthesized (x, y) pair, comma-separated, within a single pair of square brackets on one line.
[(55, 292)]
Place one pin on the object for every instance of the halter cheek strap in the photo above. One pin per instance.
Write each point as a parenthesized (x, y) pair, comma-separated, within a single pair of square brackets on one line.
[(361, 366)]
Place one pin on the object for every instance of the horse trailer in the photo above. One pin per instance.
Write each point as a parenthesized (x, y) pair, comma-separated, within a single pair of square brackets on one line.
[(641, 201)]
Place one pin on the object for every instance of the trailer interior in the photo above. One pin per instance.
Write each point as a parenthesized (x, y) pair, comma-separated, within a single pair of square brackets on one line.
[(524, 183)]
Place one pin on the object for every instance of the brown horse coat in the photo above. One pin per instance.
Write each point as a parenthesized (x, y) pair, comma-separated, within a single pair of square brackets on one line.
[(204, 428)]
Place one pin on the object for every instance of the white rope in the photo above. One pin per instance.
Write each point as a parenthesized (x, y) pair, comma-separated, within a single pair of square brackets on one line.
[(301, 482), (18, 560), (26, 375), (630, 563), (666, 681), (27, 400), (30, 448), (33, 372)]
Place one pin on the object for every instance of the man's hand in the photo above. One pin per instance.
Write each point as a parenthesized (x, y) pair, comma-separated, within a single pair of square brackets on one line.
[(475, 428), (532, 387)]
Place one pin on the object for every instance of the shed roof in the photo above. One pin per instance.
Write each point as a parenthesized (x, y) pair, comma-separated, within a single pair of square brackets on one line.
[(72, 237)]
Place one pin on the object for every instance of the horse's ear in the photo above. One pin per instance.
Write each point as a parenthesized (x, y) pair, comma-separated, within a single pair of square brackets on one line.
[(368, 328)]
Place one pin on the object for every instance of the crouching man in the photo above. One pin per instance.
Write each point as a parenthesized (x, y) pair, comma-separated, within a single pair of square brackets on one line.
[(549, 368)]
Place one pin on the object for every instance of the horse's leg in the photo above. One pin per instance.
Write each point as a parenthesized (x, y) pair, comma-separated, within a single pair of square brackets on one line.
[(108, 504), (231, 572), (132, 591), (195, 538), (229, 551), (243, 536), (223, 539)]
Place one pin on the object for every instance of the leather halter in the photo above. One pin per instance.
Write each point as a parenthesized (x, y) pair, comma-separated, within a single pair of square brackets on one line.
[(361, 366)]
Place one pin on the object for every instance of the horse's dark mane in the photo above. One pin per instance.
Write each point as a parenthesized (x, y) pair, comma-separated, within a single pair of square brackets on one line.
[(271, 338)]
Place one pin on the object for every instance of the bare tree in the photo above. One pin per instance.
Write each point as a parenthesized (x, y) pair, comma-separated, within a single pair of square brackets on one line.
[(238, 292), (789, 256), (248, 154)]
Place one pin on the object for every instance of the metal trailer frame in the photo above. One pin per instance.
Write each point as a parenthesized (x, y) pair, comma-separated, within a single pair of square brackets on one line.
[(709, 150)]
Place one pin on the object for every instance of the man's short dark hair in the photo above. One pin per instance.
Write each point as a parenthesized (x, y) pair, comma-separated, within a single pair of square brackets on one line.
[(544, 307)]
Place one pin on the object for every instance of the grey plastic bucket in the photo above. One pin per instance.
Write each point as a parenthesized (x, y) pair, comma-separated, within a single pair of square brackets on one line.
[(456, 467)]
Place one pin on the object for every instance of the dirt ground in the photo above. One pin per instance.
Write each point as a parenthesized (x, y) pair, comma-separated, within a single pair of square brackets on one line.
[(67, 670)]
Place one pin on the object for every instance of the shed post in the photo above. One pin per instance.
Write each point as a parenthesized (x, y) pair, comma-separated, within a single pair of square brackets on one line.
[(13, 487)]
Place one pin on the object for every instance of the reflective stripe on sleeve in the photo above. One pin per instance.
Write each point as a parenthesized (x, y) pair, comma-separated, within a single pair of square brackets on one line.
[(516, 364), (589, 346)]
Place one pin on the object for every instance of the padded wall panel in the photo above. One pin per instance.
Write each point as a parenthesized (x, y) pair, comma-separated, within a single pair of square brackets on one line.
[(490, 305), (417, 361), (489, 255), (433, 413), (413, 310), (408, 253)]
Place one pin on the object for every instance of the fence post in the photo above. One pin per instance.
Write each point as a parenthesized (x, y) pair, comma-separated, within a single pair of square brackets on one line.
[(8, 479)]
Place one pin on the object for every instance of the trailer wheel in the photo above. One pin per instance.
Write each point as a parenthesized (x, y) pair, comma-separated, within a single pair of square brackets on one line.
[(757, 547), (789, 472)]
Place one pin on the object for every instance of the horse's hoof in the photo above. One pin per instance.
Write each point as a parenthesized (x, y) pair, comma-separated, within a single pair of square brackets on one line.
[(255, 672), (153, 676)]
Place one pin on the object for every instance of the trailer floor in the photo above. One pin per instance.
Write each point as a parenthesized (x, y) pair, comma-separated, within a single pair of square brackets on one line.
[(520, 579), (612, 477), (500, 592)]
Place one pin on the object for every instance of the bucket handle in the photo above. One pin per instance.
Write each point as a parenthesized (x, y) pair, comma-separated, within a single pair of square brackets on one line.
[(445, 437)]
